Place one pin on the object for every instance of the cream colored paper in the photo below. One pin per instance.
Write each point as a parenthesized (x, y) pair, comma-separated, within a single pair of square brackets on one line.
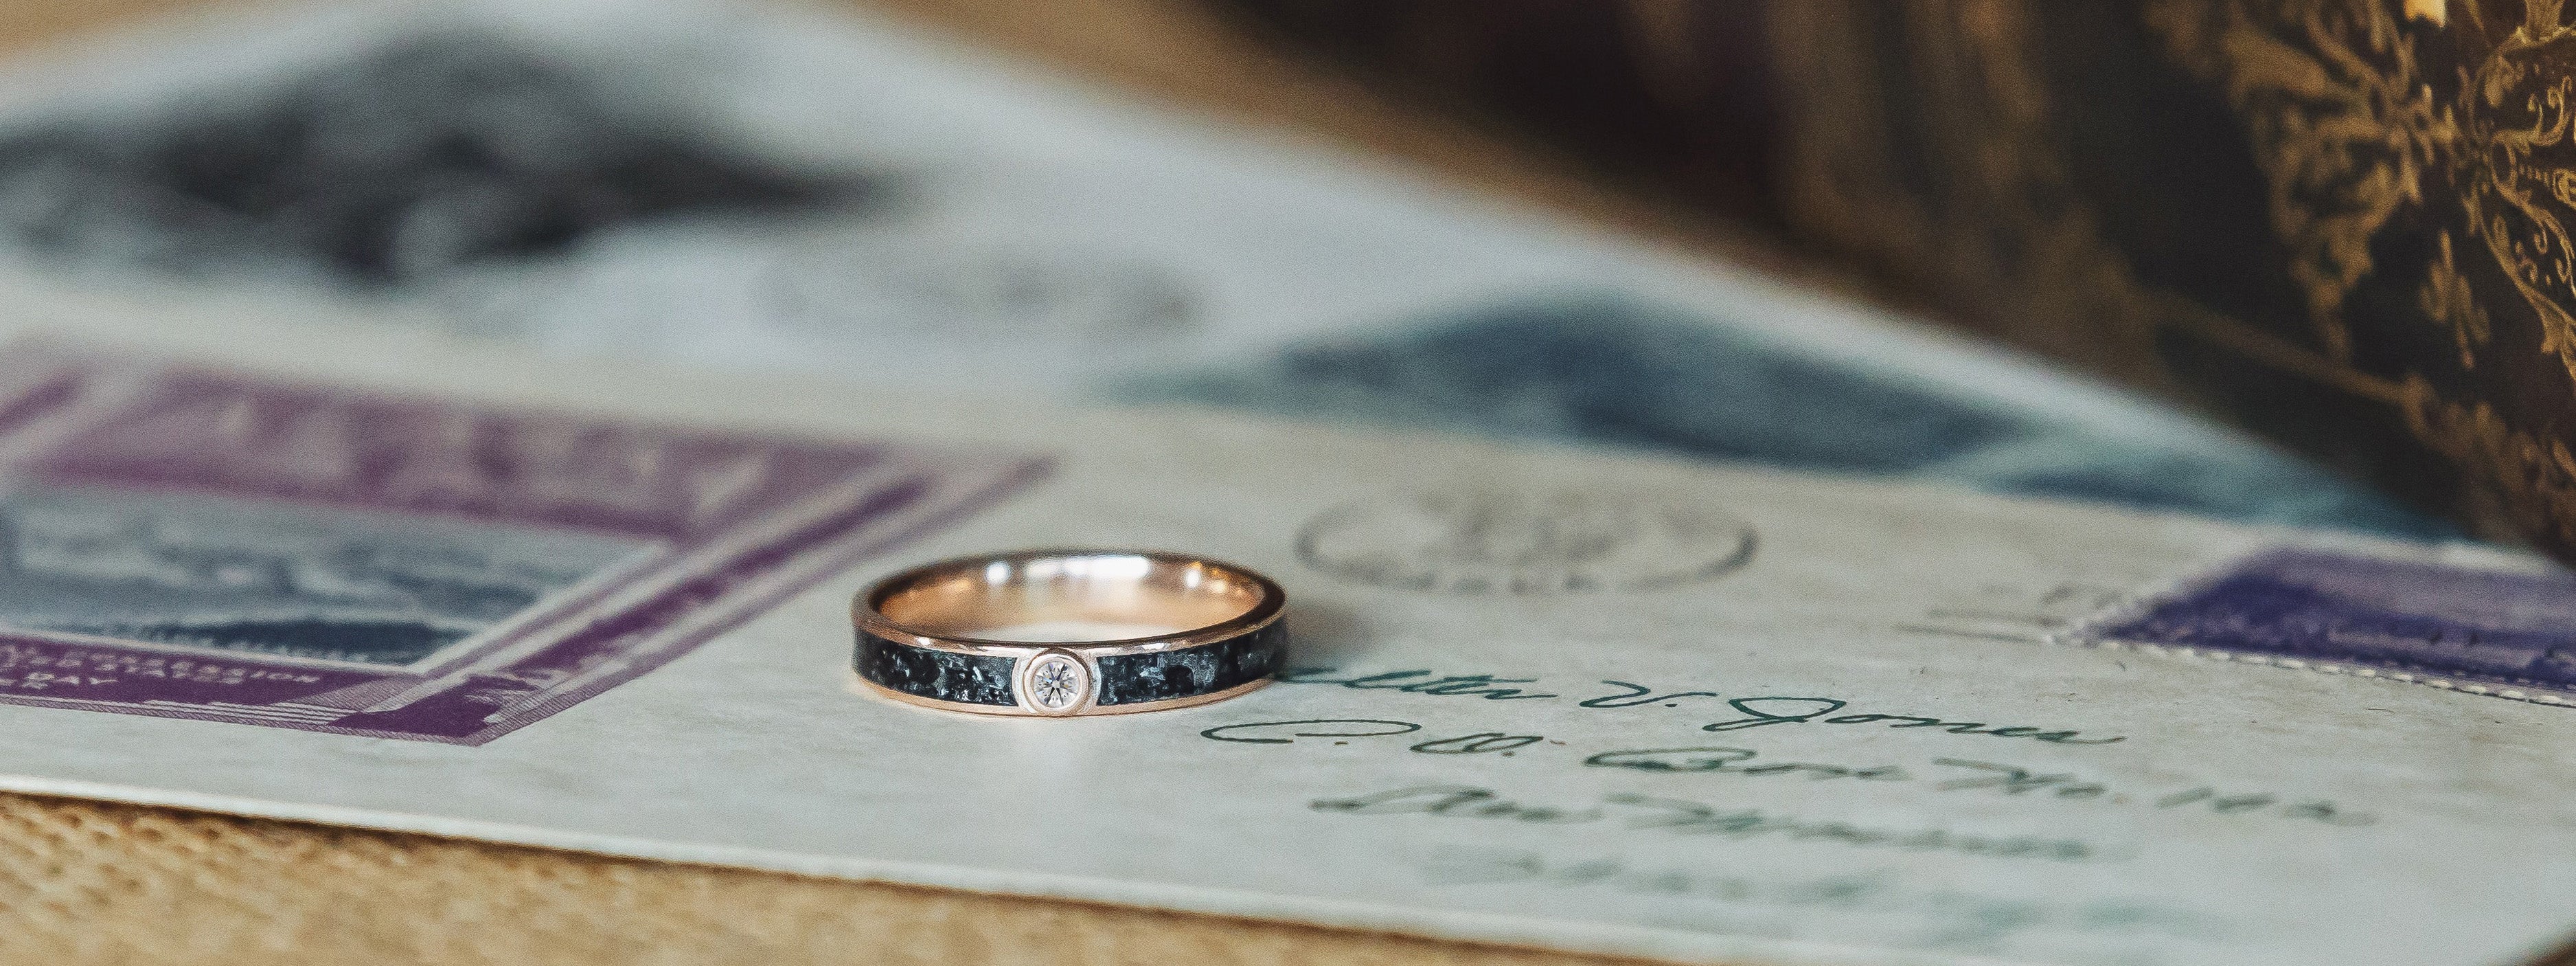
[(2403, 825)]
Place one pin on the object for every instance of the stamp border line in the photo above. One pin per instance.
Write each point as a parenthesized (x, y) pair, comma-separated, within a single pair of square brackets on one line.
[(667, 571), (982, 478), (2090, 633), (1013, 476), (2485, 687), (1021, 474)]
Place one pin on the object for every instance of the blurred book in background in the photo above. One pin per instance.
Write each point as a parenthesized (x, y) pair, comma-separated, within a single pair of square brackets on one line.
[(2341, 224)]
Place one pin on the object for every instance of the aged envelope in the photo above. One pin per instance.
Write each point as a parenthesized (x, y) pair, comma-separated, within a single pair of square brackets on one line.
[(831, 194), (752, 185), (1550, 696)]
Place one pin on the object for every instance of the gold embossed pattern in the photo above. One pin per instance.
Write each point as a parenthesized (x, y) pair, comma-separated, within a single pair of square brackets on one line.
[(2411, 161), (2350, 130)]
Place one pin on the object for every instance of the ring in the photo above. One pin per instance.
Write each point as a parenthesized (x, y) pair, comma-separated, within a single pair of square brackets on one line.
[(1069, 632)]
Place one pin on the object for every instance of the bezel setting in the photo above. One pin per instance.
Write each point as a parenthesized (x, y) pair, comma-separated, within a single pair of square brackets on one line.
[(1055, 682)]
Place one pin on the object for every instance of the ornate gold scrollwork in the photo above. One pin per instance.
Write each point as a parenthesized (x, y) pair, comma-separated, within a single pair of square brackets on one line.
[(2348, 132), (2417, 160), (2536, 477)]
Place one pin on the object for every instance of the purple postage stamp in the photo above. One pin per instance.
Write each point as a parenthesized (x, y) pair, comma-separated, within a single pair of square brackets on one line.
[(194, 543), (2506, 634)]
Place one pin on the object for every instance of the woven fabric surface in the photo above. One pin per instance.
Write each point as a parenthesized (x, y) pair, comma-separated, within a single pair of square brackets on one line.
[(86, 882)]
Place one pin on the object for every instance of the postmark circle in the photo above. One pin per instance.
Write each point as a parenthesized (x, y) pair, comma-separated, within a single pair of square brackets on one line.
[(1476, 541)]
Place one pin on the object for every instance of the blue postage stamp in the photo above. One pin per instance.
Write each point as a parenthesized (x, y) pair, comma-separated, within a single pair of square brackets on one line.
[(1610, 369), (2502, 633)]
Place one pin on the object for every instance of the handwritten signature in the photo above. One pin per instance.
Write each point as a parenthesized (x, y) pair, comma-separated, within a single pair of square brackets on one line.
[(1947, 774), (1756, 711), (1954, 918), (1684, 817)]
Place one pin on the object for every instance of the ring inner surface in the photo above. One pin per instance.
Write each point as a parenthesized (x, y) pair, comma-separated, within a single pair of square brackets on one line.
[(1074, 597)]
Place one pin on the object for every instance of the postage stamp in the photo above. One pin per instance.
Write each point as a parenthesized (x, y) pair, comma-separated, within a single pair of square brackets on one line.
[(2507, 634), (1491, 541), (191, 543)]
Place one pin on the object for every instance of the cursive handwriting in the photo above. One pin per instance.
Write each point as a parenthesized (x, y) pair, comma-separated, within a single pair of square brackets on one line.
[(1277, 733), (1953, 919), (1760, 711), (1950, 774), (1447, 686), (1733, 760), (1639, 694), (1815, 709), (1682, 817)]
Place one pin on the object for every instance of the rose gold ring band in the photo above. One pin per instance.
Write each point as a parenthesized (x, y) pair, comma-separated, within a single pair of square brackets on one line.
[(1057, 633)]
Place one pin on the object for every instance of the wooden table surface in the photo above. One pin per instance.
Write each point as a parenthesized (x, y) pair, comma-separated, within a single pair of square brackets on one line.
[(84, 882)]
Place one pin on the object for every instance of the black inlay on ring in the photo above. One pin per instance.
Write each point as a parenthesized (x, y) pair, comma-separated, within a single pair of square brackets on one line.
[(1164, 675), (1124, 679), (945, 675)]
